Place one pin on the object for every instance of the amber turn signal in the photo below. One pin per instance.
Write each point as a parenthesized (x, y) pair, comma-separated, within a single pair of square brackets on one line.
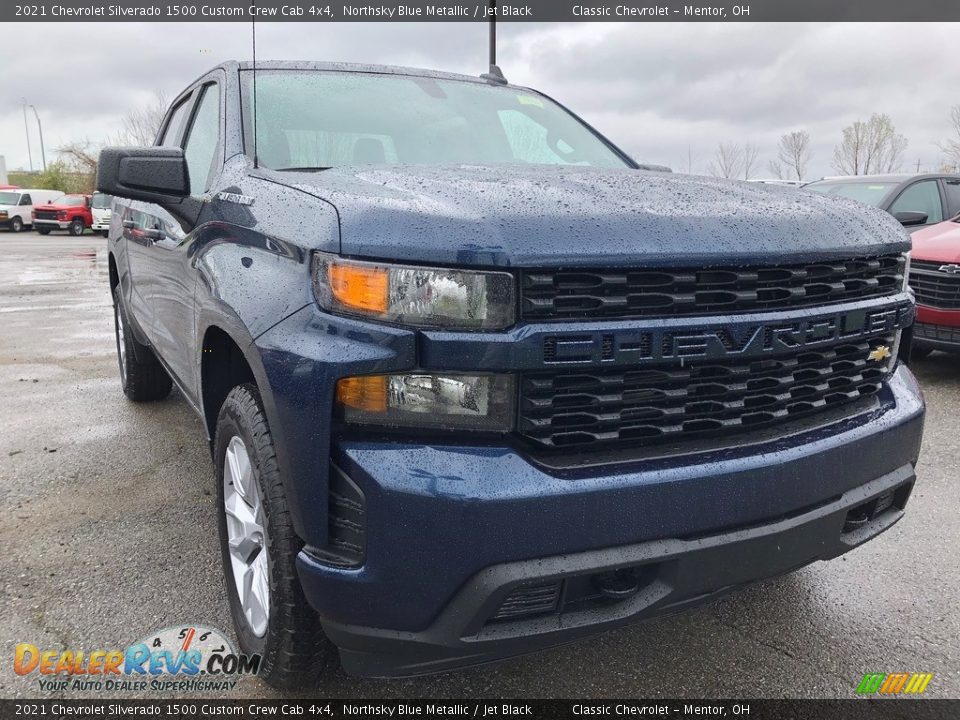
[(364, 392), (361, 287)]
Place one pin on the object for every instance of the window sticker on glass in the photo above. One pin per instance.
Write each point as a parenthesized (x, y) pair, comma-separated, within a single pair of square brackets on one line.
[(529, 100)]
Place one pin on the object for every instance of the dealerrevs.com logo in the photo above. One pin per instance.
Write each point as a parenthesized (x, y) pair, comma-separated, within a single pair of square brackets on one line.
[(175, 659)]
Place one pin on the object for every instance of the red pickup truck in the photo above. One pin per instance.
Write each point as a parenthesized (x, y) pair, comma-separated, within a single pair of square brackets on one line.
[(68, 212), (935, 279)]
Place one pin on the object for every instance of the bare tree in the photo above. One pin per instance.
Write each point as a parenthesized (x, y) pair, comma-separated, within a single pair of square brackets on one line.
[(776, 169), (951, 146), (793, 155), (141, 124), (750, 154), (728, 161), (869, 147), (80, 156)]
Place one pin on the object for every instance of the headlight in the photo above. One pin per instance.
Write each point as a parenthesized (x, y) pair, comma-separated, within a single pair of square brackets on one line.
[(427, 400), (414, 295)]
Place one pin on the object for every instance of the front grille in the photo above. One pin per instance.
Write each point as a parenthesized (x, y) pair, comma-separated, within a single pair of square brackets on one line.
[(46, 215), (934, 287), (527, 600), (627, 293), (937, 333), (708, 398)]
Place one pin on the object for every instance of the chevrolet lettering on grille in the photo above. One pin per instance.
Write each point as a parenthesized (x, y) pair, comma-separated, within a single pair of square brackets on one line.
[(748, 340)]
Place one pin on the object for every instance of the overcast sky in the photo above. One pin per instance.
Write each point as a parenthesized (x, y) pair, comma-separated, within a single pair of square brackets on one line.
[(660, 91)]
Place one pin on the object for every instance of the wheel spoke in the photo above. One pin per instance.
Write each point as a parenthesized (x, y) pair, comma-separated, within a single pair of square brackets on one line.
[(247, 524)]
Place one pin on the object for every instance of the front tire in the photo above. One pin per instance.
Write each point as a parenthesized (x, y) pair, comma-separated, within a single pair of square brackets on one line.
[(259, 547), (16, 224), (105, 233), (76, 227), (43, 231), (142, 376)]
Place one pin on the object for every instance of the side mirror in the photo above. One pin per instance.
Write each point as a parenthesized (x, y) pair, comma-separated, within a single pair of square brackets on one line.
[(909, 218), (151, 174)]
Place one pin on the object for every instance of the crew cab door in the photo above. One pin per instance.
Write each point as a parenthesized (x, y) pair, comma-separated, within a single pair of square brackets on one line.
[(136, 219), (164, 274)]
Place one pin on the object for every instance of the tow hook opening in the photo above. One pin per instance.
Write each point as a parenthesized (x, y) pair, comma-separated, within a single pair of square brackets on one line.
[(861, 515), (618, 584)]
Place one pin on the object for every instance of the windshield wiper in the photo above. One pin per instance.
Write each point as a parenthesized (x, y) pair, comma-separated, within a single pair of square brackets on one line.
[(302, 169)]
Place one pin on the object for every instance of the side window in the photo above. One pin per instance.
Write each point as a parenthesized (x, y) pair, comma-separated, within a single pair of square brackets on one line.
[(924, 197), (25, 200), (953, 196), (203, 139), (172, 131)]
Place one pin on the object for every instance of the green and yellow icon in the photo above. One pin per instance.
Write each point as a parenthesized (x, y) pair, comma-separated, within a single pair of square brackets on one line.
[(894, 683)]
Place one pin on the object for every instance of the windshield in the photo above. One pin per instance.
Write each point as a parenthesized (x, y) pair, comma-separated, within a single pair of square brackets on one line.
[(101, 201), (9, 198), (866, 191), (316, 120), (70, 200)]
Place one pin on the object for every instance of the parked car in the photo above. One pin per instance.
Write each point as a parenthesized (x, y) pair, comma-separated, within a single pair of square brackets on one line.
[(476, 385), (16, 206), (917, 201), (68, 212), (100, 208), (775, 181), (935, 280)]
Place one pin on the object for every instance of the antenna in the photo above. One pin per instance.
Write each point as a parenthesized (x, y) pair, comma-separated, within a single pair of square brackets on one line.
[(253, 36), (495, 74)]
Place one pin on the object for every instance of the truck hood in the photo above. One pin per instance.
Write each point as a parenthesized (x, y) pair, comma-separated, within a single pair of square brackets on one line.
[(940, 243), (545, 216)]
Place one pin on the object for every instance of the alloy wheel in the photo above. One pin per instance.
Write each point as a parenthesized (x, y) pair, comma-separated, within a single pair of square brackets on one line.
[(246, 536)]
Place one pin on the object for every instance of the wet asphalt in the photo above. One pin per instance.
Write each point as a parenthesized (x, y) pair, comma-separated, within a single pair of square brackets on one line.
[(108, 532)]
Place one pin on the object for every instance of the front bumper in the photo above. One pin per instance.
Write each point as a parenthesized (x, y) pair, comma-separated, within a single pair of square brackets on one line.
[(669, 575), (937, 328), (452, 531), (52, 224)]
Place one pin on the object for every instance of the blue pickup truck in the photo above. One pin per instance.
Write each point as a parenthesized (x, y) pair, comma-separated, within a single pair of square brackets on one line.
[(475, 383)]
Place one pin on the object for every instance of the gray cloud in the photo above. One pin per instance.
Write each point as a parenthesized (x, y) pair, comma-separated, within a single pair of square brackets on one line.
[(659, 90)]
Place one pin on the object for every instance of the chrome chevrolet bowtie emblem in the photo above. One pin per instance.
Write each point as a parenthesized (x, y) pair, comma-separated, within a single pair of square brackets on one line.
[(952, 269), (880, 352)]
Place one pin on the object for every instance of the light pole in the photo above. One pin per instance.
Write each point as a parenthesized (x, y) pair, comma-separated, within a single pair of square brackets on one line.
[(43, 154), (26, 128)]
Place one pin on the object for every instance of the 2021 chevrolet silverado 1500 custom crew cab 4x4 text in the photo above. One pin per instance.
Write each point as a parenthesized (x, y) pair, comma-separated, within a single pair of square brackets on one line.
[(476, 385)]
